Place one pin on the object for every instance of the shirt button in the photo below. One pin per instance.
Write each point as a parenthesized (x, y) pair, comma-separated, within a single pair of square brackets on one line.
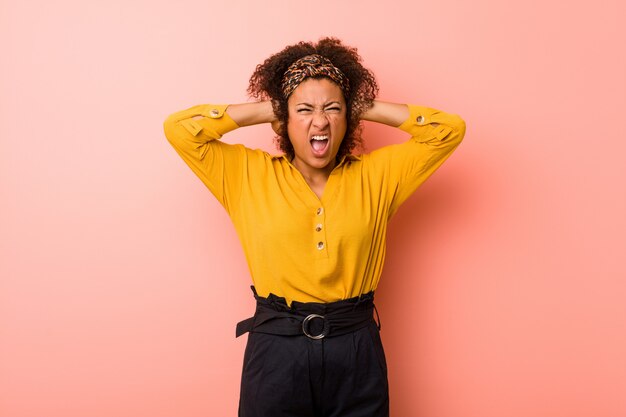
[(320, 245), (214, 113), (320, 211), (318, 228), (420, 119)]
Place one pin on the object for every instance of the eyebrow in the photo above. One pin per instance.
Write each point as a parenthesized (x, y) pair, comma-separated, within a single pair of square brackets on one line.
[(325, 105)]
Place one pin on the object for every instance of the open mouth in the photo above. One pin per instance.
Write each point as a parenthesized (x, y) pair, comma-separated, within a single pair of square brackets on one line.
[(319, 143)]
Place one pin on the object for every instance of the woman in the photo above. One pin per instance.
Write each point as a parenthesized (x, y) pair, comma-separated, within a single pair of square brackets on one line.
[(312, 222)]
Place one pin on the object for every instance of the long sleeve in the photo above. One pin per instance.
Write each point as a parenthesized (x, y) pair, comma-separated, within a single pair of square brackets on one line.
[(194, 134), (434, 136), (297, 245)]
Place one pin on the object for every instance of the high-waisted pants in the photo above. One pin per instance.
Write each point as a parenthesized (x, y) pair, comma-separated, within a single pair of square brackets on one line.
[(340, 375)]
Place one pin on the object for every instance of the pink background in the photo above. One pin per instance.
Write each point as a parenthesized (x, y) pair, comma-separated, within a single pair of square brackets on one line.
[(122, 278)]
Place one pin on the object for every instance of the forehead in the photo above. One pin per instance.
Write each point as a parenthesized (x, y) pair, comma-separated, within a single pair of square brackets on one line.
[(316, 91)]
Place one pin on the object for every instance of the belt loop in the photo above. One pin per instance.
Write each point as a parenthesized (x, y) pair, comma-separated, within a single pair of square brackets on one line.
[(358, 302), (377, 317), (363, 298)]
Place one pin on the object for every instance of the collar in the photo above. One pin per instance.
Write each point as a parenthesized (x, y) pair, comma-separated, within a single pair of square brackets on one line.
[(348, 157)]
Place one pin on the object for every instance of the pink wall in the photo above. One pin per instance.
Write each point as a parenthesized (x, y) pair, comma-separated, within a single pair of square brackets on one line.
[(122, 279)]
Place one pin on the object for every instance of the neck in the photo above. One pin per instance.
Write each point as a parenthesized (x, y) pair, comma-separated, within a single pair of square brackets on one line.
[(314, 175)]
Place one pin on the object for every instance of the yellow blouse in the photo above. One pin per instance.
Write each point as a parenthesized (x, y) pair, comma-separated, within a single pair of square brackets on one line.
[(297, 245)]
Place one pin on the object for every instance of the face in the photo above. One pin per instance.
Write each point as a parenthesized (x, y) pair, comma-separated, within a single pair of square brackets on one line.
[(316, 125)]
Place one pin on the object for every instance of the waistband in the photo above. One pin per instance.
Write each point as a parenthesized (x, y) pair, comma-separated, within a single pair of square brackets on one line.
[(314, 320)]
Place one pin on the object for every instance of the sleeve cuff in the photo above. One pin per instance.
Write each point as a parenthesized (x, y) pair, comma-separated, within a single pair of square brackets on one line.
[(216, 119), (428, 125), (418, 115)]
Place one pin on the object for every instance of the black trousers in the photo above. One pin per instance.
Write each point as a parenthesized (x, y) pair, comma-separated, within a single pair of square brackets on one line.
[(297, 376)]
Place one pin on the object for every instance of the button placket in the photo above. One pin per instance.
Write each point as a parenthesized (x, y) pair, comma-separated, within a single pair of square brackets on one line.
[(319, 232)]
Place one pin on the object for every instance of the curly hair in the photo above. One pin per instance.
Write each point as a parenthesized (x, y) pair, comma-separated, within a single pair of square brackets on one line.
[(266, 81)]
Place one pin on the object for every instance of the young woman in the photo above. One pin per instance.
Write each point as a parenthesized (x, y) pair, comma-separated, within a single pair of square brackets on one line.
[(313, 222)]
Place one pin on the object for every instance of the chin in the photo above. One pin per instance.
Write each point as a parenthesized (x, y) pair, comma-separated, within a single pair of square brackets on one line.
[(322, 163)]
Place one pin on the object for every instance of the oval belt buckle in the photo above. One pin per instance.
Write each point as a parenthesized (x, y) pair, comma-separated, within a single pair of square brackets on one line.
[(305, 325)]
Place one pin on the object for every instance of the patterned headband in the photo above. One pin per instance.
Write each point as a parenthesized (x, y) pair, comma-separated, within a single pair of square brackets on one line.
[(312, 66)]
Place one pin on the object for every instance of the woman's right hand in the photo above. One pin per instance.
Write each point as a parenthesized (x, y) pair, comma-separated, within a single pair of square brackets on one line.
[(276, 126)]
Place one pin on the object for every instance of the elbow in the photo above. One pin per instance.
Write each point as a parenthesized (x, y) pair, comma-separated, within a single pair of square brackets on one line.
[(168, 128), (458, 126)]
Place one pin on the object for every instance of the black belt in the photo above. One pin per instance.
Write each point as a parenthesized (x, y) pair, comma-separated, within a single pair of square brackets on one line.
[(313, 320)]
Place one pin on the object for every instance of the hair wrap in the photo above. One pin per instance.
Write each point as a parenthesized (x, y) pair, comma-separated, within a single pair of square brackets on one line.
[(312, 66)]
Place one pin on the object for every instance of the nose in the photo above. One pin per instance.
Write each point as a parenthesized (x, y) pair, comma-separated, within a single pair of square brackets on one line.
[(320, 120)]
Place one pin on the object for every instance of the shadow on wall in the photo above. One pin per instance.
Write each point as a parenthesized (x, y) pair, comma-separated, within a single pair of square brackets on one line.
[(419, 232), (427, 232)]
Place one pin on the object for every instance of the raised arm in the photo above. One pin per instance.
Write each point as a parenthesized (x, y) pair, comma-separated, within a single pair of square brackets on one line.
[(434, 136), (247, 114), (194, 132), (391, 114)]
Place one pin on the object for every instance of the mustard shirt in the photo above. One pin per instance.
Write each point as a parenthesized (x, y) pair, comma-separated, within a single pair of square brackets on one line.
[(297, 245)]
